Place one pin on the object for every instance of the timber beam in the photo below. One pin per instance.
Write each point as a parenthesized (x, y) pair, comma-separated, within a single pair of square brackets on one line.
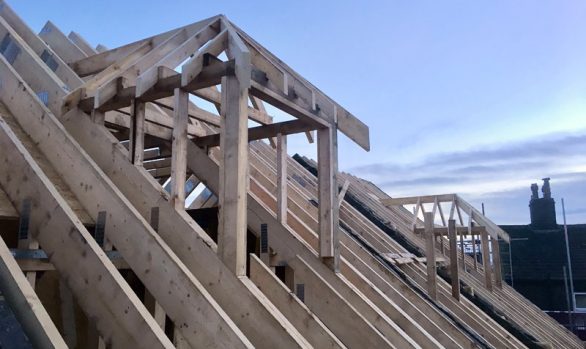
[(138, 243), (75, 253), (27, 306), (97, 63), (457, 202), (443, 231), (187, 239), (328, 209), (209, 76), (262, 132)]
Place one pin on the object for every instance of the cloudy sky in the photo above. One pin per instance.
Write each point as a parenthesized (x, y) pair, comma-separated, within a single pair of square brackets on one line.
[(481, 98)]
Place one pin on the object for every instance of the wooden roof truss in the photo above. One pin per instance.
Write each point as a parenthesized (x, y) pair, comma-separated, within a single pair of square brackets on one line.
[(100, 149)]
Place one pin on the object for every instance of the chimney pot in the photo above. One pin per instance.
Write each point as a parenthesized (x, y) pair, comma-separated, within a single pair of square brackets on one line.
[(542, 210)]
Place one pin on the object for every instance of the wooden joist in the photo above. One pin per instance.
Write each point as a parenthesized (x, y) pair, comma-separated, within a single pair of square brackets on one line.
[(261, 132), (74, 252), (444, 231), (377, 283), (7, 210), (150, 76), (298, 313), (97, 63), (64, 47), (287, 246), (131, 235), (165, 87), (28, 309), (311, 96), (80, 42), (182, 234), (37, 45), (457, 202), (346, 321), (107, 90)]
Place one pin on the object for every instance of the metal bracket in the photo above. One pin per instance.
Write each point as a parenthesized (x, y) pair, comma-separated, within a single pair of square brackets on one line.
[(99, 230), (24, 220)]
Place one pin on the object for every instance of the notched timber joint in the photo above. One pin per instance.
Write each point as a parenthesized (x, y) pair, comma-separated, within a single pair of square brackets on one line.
[(210, 76)]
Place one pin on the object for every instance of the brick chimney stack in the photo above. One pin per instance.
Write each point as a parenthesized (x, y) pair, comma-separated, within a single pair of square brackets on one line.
[(542, 210)]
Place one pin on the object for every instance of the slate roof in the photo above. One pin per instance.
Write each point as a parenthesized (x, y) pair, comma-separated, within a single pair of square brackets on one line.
[(541, 254)]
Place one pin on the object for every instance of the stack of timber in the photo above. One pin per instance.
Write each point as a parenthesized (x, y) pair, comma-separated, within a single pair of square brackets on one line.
[(100, 148)]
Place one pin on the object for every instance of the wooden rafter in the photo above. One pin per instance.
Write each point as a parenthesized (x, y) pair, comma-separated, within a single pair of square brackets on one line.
[(121, 113), (457, 202)]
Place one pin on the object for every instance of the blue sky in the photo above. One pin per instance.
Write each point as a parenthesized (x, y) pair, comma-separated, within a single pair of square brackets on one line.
[(479, 98)]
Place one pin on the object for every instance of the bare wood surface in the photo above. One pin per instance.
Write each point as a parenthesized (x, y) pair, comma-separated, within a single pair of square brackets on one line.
[(486, 261), (26, 305), (430, 255), (454, 271), (233, 176), (7, 210)]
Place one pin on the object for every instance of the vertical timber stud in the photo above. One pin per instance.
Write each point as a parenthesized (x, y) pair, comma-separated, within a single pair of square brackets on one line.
[(327, 154), (233, 174), (474, 251), (282, 178), (463, 255), (454, 259), (100, 237), (486, 258), (136, 147), (152, 305), (179, 148), (496, 260), (430, 255)]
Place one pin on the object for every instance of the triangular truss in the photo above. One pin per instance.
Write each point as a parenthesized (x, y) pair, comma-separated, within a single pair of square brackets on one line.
[(103, 149)]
